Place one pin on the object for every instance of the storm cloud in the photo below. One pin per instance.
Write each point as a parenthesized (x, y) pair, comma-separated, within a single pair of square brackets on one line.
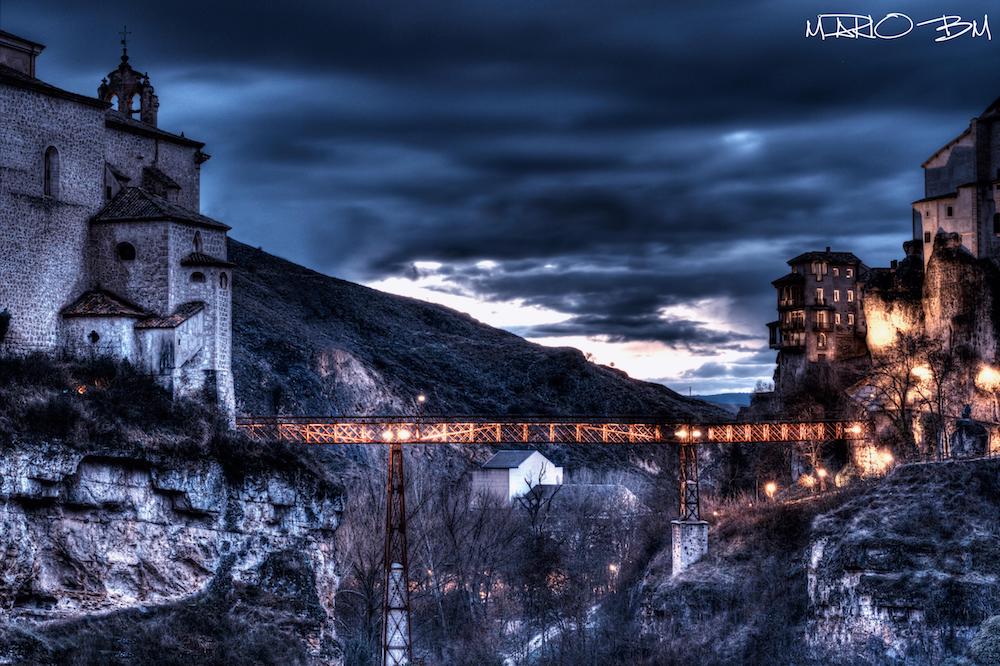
[(624, 164)]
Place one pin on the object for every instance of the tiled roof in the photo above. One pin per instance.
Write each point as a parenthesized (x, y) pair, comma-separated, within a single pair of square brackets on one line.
[(156, 174), (101, 303), (119, 120), (180, 315), (790, 277), (18, 79), (507, 459), (937, 197), (133, 204), (202, 259), (831, 257)]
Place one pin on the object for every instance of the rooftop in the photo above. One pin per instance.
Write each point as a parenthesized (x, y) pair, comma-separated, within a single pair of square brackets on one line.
[(183, 312), (202, 259), (12, 77), (827, 256), (120, 121), (507, 459), (133, 204), (102, 303)]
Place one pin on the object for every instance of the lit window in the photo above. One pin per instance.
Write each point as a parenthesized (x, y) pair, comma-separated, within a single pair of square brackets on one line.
[(850, 295), (850, 272), (836, 295), (836, 272), (850, 319), (836, 318), (821, 341), (819, 295)]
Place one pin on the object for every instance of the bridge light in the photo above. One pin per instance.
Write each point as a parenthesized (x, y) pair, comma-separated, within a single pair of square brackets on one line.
[(886, 458), (613, 568), (403, 434), (696, 434), (681, 434), (387, 435), (854, 429), (770, 488)]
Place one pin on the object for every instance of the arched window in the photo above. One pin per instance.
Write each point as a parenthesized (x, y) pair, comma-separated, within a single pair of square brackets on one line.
[(198, 277), (136, 106), (50, 187), (197, 241), (126, 251), (224, 281), (821, 341), (996, 223), (114, 102)]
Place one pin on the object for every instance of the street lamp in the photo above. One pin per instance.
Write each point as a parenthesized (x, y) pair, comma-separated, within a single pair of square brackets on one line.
[(770, 488)]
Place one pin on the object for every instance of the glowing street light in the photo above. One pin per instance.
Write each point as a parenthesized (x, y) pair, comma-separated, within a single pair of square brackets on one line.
[(770, 488), (613, 568), (421, 398), (922, 373), (886, 458), (681, 434), (821, 472)]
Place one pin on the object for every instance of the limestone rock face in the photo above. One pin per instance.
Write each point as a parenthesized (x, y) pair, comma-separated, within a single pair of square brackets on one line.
[(84, 533), (907, 572)]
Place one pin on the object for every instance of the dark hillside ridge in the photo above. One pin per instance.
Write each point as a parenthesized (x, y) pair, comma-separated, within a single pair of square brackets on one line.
[(309, 344)]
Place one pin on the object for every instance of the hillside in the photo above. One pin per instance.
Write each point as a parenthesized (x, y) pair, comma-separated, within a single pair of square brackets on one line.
[(306, 343), (898, 571)]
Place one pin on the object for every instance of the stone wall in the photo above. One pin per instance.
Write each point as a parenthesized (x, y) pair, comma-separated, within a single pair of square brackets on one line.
[(42, 239), (130, 152)]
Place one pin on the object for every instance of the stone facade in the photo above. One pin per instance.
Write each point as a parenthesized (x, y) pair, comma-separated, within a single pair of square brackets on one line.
[(962, 190), (99, 210), (821, 318), (689, 543)]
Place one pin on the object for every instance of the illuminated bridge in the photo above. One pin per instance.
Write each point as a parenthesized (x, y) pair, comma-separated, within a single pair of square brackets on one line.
[(689, 532), (522, 430)]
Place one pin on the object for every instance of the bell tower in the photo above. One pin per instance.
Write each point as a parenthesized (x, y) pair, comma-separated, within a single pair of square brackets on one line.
[(128, 91)]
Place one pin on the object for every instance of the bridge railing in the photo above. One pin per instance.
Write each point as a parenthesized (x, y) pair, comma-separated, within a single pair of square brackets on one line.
[(521, 430)]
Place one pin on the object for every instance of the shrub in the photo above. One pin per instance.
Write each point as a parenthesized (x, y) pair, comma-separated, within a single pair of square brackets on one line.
[(985, 647)]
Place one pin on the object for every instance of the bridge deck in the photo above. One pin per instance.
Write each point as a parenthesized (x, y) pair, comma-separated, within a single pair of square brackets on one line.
[(459, 430)]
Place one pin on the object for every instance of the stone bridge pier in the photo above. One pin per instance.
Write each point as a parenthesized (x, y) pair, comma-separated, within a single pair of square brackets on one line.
[(689, 533)]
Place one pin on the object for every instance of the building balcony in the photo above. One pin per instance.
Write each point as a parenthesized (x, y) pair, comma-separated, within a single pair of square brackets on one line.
[(822, 326)]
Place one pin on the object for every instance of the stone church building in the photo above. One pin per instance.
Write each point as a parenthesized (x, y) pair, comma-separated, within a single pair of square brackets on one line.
[(104, 250)]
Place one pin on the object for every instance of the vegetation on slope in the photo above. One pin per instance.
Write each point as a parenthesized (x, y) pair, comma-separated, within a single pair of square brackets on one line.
[(306, 343)]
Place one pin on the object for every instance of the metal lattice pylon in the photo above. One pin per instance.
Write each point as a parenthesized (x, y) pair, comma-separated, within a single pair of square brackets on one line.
[(397, 644), (690, 500)]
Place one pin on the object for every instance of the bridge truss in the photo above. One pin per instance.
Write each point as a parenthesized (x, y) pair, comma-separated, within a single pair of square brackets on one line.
[(395, 431)]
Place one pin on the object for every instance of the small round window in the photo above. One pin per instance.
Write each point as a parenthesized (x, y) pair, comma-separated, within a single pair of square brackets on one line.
[(198, 278), (93, 337), (126, 251)]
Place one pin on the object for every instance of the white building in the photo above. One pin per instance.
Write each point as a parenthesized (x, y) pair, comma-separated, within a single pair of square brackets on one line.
[(510, 474)]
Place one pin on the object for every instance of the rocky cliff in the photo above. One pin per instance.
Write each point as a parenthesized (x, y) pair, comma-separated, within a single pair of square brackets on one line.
[(112, 531), (908, 572)]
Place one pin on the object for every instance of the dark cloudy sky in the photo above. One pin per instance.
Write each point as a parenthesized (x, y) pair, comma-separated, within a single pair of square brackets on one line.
[(626, 177)]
